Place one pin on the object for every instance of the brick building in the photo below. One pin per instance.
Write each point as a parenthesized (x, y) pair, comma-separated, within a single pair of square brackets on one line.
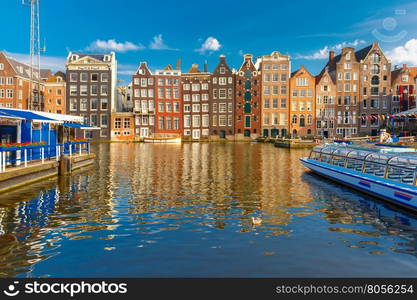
[(325, 104), (403, 88), (91, 90), (122, 126), (222, 102), (196, 100), (375, 86), (15, 84), (143, 97), (55, 93), (248, 100), (276, 70), (168, 102)]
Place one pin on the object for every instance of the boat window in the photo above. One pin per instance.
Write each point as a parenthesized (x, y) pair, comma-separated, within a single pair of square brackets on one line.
[(402, 169), (378, 158)]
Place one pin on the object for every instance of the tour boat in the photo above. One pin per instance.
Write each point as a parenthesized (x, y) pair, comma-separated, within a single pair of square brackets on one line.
[(389, 176), (163, 140)]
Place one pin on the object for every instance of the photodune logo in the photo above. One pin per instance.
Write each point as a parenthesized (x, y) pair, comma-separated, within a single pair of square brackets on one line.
[(11, 290), (389, 25)]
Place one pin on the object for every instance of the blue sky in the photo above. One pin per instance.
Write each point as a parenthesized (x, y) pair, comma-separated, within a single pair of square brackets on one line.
[(162, 31)]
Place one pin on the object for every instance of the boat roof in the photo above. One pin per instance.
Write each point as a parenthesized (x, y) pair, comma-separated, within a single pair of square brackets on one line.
[(370, 149)]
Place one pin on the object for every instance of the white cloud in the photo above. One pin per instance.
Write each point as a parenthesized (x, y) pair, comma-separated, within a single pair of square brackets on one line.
[(404, 54), (324, 52), (113, 45), (126, 69), (210, 44), (55, 63), (158, 43)]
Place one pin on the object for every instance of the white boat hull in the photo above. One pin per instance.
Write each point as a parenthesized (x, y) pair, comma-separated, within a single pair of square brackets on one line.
[(394, 192)]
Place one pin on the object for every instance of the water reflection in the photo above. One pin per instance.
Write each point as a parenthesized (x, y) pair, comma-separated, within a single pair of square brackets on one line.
[(185, 210)]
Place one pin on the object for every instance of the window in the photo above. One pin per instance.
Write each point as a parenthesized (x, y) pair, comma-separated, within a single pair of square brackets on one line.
[(83, 90), (222, 107), (196, 121), (94, 77), (196, 107), (73, 77), (104, 77), (104, 120), (187, 108), (176, 106), (104, 104), (1, 66), (176, 123), (93, 90), (83, 104), (117, 123), (9, 80), (275, 103), (294, 119), (302, 81), (94, 120), (73, 104), (266, 103), (104, 89), (93, 104), (206, 121), (9, 93), (73, 90)]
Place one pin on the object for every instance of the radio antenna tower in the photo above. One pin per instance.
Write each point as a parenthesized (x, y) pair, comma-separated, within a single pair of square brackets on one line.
[(35, 100)]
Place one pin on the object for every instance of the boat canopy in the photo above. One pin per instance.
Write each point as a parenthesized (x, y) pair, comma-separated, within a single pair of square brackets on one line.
[(368, 155)]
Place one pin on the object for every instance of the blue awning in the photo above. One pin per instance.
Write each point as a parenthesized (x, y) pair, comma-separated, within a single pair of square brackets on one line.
[(81, 126), (72, 125), (27, 115), (8, 116)]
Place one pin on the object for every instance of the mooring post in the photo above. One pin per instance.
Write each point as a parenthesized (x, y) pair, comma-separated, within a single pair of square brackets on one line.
[(4, 161), (80, 149), (25, 155), (43, 155)]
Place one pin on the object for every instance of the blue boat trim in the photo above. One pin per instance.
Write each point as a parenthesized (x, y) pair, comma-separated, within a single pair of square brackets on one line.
[(406, 188), (403, 196), (365, 183)]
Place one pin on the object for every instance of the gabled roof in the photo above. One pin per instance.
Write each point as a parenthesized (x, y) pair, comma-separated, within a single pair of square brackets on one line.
[(22, 69), (168, 68), (302, 68), (194, 69)]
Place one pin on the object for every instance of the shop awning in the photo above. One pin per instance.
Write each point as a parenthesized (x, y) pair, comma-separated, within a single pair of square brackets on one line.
[(406, 113), (27, 115)]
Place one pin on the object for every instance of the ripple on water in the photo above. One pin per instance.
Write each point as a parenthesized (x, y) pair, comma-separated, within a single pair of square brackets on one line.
[(186, 211)]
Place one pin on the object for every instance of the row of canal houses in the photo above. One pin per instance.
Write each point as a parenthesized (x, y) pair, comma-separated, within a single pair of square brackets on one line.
[(354, 94)]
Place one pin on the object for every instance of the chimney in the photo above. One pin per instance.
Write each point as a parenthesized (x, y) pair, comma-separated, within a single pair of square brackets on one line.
[(178, 64), (404, 66), (205, 67), (331, 55), (247, 57), (222, 57), (375, 44)]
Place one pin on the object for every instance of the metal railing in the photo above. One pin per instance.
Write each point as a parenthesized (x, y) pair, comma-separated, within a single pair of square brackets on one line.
[(18, 156)]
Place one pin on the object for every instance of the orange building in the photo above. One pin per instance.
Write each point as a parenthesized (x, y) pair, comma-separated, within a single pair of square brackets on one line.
[(55, 93), (122, 126), (302, 103)]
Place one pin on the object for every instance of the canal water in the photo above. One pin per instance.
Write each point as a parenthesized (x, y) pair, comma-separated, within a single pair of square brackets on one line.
[(147, 210)]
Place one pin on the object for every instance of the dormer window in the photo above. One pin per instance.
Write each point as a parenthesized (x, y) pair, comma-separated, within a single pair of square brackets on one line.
[(348, 56), (106, 58), (74, 57)]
